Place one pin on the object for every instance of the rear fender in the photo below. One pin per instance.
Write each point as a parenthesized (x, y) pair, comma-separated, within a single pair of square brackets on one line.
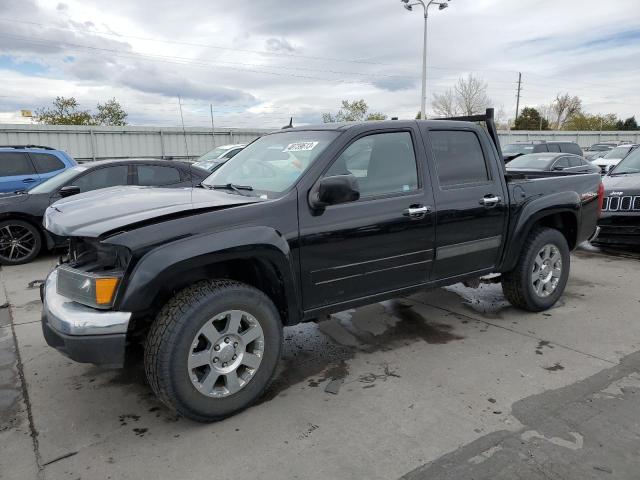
[(533, 213)]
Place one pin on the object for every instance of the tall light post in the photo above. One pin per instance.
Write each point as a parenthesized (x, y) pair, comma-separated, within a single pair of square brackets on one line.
[(425, 7)]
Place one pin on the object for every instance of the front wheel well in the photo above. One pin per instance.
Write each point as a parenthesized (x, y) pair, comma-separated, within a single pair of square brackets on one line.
[(26, 218)]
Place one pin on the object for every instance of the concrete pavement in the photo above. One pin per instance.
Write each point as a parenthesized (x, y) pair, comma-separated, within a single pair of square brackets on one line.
[(449, 379)]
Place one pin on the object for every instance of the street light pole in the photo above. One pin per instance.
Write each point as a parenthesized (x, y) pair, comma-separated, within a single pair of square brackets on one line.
[(425, 7)]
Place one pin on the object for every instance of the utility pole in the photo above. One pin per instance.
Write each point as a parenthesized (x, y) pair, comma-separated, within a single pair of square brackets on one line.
[(184, 132), (518, 94), (213, 132)]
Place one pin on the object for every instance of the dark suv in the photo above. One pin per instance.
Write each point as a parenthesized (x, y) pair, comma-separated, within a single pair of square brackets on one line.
[(513, 150)]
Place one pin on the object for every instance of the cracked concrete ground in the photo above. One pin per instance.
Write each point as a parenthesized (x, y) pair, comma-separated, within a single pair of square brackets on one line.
[(452, 383)]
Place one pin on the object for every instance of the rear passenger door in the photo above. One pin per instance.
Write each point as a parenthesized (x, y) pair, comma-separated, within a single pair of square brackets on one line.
[(17, 172), (471, 204), (159, 176)]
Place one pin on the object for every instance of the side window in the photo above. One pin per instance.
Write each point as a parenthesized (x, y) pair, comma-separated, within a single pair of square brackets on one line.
[(540, 147), (15, 163), (46, 163), (382, 163), (575, 162), (553, 147), (459, 158), (103, 178), (562, 162), (155, 175)]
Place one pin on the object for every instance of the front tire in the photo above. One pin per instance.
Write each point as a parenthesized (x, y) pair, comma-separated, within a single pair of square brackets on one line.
[(213, 349), (20, 242), (541, 274)]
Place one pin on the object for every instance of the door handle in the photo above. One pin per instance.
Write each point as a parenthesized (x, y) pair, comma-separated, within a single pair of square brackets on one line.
[(417, 212), (28, 180), (490, 200)]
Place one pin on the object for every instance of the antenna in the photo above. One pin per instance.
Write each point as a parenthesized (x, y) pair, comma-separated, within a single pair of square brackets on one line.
[(290, 124)]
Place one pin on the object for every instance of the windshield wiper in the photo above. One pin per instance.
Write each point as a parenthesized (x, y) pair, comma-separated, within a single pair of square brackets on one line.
[(615, 174), (232, 186)]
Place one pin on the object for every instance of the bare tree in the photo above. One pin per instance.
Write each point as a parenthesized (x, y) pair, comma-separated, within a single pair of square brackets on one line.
[(444, 104), (471, 95), (564, 107)]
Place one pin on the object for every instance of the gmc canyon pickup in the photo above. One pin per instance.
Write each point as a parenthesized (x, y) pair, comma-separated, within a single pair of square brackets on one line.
[(302, 223)]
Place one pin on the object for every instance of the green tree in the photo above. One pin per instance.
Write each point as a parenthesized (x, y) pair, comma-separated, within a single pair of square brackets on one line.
[(589, 122), (354, 111), (628, 124), (65, 111), (530, 119), (110, 113)]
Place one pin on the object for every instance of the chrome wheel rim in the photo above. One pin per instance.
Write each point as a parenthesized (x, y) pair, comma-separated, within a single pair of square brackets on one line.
[(546, 271), (16, 242), (226, 353)]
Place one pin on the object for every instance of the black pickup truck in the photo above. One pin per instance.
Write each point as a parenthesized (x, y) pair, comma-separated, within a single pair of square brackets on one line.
[(302, 223)]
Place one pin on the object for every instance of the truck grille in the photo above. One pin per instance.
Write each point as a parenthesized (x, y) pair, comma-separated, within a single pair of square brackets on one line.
[(621, 204)]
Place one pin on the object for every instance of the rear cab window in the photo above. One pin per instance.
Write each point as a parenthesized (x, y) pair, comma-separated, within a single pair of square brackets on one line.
[(459, 158)]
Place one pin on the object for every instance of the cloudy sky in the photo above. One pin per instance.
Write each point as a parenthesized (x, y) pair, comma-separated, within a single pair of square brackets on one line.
[(258, 62)]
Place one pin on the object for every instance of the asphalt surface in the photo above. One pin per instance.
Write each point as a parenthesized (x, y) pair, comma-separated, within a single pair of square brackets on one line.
[(451, 383)]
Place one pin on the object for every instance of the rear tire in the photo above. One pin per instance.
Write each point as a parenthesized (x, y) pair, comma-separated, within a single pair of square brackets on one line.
[(541, 274), (213, 349), (20, 242)]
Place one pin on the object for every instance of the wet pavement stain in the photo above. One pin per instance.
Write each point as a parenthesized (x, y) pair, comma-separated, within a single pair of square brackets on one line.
[(554, 368), (140, 431), (486, 300), (542, 344)]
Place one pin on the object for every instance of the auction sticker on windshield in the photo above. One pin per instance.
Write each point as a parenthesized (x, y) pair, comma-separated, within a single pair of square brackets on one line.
[(300, 146)]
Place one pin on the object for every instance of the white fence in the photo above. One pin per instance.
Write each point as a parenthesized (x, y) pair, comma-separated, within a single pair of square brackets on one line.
[(95, 143)]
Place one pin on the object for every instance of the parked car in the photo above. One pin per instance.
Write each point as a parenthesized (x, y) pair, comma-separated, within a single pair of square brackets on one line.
[(613, 157), (218, 156), (209, 276), (620, 220), (597, 150), (24, 166), (21, 234), (550, 162), (513, 150)]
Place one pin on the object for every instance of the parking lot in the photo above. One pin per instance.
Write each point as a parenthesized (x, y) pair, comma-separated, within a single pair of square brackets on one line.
[(451, 383)]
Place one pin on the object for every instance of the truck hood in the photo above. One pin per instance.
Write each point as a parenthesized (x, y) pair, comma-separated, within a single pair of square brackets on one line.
[(93, 214), (626, 184)]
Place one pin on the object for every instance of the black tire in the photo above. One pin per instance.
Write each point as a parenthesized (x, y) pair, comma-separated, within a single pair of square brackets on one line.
[(170, 339), (14, 254), (517, 284)]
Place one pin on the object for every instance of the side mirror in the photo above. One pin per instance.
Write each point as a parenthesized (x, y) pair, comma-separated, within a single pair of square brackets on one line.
[(334, 190), (69, 190)]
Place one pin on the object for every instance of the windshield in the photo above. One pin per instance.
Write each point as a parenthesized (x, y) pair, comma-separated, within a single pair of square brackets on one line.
[(58, 181), (517, 148), (209, 164), (630, 164), (532, 161), (618, 152), (213, 154), (599, 148), (273, 163)]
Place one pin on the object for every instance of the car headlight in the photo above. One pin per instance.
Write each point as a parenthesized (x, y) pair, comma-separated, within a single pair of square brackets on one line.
[(94, 289)]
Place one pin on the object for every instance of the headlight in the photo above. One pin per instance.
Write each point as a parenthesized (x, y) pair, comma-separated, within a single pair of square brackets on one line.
[(96, 290)]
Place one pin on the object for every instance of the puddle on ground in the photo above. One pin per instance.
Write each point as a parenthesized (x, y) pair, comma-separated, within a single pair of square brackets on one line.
[(487, 300)]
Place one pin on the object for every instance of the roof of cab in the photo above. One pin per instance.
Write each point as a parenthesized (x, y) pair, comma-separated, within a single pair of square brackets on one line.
[(378, 123)]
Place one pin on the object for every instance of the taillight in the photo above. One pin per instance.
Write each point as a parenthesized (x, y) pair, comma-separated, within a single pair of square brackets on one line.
[(600, 198)]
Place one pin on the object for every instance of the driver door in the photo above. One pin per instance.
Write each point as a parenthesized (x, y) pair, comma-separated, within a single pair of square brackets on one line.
[(373, 245)]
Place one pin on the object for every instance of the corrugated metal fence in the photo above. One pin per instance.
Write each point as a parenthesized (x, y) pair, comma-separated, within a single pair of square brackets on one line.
[(95, 143)]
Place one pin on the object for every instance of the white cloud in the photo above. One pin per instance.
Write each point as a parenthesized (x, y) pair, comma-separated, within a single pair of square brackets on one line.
[(260, 62)]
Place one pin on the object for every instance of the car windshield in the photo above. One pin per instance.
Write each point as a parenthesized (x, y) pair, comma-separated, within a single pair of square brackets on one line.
[(618, 152), (213, 154), (208, 165), (517, 148), (273, 163), (532, 161), (58, 181), (630, 164)]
